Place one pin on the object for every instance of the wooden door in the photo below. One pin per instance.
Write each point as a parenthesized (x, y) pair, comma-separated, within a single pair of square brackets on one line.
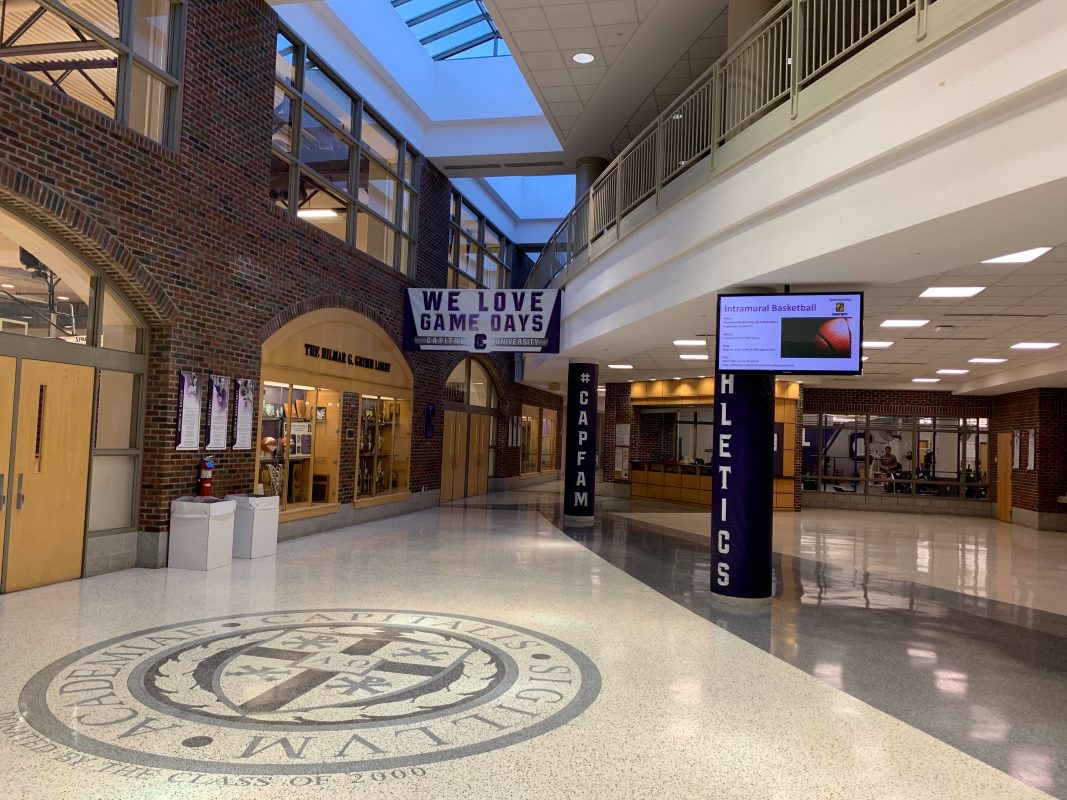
[(1004, 456), (454, 457), (7, 408), (51, 475), (478, 455)]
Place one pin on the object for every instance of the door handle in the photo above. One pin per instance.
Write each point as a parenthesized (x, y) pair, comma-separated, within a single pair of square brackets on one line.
[(3, 497), (20, 498)]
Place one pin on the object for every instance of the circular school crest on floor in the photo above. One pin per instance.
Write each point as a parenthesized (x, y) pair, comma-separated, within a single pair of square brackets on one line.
[(310, 692)]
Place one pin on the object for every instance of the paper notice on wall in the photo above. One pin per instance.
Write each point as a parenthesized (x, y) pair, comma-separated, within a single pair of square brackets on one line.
[(218, 412), (1016, 448), (622, 435), (189, 396), (243, 406), (1031, 450)]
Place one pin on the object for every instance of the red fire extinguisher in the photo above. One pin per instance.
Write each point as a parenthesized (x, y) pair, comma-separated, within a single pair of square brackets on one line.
[(207, 465)]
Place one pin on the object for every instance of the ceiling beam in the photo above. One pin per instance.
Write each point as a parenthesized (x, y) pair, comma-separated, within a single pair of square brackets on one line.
[(49, 49), (461, 48)]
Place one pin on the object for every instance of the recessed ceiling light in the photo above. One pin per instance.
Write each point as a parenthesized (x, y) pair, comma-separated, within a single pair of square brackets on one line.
[(904, 323), (1035, 345), (926, 380), (316, 213), (1025, 257), (694, 356), (690, 342), (583, 58), (987, 360), (677, 378), (63, 298), (953, 371), (620, 366), (7, 286), (952, 291), (877, 345)]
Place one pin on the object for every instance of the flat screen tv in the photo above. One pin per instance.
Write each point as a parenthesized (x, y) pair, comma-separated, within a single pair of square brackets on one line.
[(790, 334)]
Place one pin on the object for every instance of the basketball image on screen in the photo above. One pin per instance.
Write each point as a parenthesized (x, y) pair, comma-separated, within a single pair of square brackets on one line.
[(816, 337)]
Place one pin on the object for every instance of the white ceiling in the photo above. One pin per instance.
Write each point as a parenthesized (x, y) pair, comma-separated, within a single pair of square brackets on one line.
[(641, 49), (1022, 302)]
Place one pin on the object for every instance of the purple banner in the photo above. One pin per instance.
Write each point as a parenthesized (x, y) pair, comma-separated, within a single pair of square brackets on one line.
[(742, 504), (579, 478), (482, 320)]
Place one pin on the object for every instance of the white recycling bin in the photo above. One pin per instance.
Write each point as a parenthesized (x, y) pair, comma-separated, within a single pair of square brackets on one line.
[(201, 533), (255, 527)]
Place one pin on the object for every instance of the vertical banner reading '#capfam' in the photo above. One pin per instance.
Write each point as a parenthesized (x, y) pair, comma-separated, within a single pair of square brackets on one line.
[(188, 426), (579, 481), (243, 404), (482, 320), (218, 412)]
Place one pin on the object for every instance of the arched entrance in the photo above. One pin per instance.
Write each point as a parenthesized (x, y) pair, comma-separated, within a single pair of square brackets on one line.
[(72, 365), (469, 453)]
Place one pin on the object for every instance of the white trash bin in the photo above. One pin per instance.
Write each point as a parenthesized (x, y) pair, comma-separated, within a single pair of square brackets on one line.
[(201, 533), (255, 526)]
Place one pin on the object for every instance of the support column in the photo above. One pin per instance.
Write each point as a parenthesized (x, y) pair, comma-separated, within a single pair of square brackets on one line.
[(742, 505), (579, 482), (587, 170)]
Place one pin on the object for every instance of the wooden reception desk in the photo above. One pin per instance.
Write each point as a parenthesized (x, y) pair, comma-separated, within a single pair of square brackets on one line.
[(680, 483)]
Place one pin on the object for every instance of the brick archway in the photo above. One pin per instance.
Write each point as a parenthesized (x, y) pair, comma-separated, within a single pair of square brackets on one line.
[(309, 304), (47, 209)]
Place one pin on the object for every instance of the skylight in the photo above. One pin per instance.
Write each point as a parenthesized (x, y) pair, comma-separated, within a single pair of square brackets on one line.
[(452, 29)]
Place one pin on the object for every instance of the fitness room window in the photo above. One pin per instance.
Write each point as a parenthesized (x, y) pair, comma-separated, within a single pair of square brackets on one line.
[(336, 429), (478, 253), (69, 346), (337, 165), (128, 68), (945, 457)]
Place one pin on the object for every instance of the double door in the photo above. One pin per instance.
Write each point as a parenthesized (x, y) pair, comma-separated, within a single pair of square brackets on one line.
[(465, 457), (45, 426)]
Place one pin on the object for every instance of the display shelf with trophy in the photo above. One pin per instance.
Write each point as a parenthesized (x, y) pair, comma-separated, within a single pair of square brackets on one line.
[(384, 447)]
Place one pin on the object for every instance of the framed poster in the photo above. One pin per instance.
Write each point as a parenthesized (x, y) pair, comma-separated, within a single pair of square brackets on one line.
[(1016, 448), (243, 405), (187, 436), (1031, 450), (218, 412)]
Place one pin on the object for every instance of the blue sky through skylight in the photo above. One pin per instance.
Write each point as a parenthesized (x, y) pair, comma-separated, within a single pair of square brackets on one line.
[(452, 29)]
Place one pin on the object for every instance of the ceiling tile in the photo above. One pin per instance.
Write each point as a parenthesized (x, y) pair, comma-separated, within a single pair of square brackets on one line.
[(610, 54), (525, 19), (575, 15), (565, 109), (574, 39), (587, 75), (559, 94), (534, 41), (552, 77), (616, 34), (613, 12), (537, 61)]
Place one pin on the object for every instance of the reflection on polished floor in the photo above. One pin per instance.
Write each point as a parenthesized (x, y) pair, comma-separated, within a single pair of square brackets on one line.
[(479, 651)]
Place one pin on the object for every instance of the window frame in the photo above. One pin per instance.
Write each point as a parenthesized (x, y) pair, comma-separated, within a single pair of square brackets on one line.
[(458, 233), (408, 189)]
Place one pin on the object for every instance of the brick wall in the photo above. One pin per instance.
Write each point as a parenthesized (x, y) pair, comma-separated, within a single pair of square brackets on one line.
[(653, 437), (194, 242), (1044, 411)]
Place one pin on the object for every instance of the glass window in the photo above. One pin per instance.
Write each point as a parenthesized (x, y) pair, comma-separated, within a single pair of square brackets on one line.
[(285, 60), (375, 238), (481, 387), (408, 216), (467, 256), (282, 129), (377, 188), (491, 274), (148, 104), (384, 446), (119, 329), (411, 166), (406, 255), (322, 208), (330, 98), (105, 16), (492, 242), (151, 30), (112, 492), (548, 440), (529, 450), (379, 141), (322, 149), (44, 300), (279, 181), (456, 385), (115, 413), (468, 220)]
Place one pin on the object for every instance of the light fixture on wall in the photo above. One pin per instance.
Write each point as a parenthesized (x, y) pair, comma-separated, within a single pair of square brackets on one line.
[(938, 292), (620, 366), (583, 58), (904, 323), (953, 371), (1035, 345), (316, 213), (987, 360), (926, 380), (1023, 257)]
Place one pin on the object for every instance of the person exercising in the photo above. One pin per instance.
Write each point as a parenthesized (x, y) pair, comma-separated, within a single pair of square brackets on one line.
[(889, 465)]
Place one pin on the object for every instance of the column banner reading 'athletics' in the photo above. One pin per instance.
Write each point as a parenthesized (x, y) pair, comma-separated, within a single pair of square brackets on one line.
[(579, 480), (742, 500), (482, 320)]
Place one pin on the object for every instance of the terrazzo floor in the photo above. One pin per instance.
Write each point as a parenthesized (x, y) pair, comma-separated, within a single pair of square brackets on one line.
[(471, 652)]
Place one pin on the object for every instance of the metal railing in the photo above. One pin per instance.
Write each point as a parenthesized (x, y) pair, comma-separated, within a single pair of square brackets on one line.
[(749, 81)]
